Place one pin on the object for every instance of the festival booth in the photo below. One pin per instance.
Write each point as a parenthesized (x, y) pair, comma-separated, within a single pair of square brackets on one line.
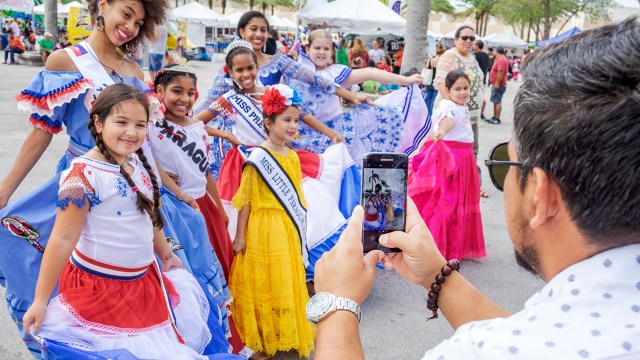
[(367, 17), (565, 35), (200, 20), (281, 23)]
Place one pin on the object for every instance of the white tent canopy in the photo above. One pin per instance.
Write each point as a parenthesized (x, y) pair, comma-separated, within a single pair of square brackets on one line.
[(369, 17), (63, 9), (505, 39), (195, 12), (16, 5), (281, 23), (232, 19)]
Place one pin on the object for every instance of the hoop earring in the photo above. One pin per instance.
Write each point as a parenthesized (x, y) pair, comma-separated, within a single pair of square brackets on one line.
[(100, 23)]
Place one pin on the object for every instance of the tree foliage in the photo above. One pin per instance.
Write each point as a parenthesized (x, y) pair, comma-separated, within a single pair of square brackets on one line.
[(541, 15)]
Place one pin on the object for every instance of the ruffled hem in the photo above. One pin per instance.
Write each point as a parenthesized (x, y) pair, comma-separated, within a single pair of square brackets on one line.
[(43, 104), (45, 123)]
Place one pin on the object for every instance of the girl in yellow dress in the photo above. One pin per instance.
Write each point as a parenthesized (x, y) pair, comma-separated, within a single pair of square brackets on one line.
[(268, 274)]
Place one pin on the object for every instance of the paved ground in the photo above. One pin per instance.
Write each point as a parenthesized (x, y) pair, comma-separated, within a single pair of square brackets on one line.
[(393, 322)]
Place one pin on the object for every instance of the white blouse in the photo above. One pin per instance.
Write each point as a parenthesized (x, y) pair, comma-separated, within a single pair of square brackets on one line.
[(115, 231)]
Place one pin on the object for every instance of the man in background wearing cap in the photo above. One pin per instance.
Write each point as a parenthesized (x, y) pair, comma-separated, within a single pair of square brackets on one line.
[(498, 81), (46, 46)]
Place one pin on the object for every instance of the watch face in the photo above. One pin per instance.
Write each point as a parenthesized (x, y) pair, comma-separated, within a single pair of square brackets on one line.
[(318, 305)]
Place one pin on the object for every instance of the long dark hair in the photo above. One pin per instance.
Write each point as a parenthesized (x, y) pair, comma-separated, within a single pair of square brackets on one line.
[(108, 100)]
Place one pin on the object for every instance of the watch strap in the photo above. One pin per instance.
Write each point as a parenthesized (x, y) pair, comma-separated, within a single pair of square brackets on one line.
[(342, 303)]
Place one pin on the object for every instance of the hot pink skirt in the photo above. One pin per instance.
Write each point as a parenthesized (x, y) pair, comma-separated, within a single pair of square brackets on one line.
[(444, 184)]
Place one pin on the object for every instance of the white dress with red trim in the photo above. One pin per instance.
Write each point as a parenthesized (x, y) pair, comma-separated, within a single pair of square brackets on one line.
[(112, 293), (60, 100)]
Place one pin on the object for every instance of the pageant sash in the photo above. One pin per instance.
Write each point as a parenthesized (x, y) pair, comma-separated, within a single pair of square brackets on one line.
[(86, 61), (282, 187), (249, 126)]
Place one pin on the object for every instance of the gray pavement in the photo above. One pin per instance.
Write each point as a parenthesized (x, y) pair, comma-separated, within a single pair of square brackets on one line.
[(393, 323)]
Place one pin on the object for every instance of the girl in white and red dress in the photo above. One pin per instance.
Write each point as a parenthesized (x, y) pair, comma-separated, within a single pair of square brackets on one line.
[(111, 292), (180, 145), (443, 178)]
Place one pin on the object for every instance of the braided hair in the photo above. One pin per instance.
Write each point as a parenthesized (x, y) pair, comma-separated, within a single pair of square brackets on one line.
[(111, 97)]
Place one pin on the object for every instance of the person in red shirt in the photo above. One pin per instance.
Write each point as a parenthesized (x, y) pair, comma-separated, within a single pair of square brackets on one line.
[(398, 59), (498, 81), (385, 64), (15, 47)]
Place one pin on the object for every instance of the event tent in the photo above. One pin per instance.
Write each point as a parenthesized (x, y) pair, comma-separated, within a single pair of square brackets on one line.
[(195, 12), (505, 39), (565, 35), (198, 17), (368, 17), (281, 23), (17, 5), (63, 9), (232, 19)]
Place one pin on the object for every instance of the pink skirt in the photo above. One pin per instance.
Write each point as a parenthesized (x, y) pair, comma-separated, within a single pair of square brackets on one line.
[(444, 184)]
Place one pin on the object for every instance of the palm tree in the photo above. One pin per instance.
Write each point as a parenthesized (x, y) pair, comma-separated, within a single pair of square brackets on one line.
[(51, 18), (373, 179), (481, 10), (415, 49)]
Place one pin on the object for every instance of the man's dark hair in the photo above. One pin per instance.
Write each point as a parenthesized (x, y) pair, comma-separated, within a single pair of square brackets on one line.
[(577, 116), (480, 44), (500, 50)]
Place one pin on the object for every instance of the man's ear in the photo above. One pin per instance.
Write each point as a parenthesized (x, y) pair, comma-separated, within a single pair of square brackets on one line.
[(545, 197)]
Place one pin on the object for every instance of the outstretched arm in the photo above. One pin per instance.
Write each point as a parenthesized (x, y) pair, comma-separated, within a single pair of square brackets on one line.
[(320, 127), (359, 76)]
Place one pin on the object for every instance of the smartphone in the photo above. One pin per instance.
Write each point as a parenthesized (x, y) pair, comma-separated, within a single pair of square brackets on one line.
[(384, 197)]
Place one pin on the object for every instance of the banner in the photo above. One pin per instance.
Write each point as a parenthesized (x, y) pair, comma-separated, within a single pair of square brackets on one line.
[(78, 24)]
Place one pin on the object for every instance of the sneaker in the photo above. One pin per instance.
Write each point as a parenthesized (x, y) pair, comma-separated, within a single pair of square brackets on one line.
[(494, 121), (483, 117), (4, 62)]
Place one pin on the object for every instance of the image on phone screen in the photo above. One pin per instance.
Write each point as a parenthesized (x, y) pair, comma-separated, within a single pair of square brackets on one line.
[(384, 196)]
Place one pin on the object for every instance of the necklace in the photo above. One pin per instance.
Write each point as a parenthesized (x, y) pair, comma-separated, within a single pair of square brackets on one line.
[(115, 72)]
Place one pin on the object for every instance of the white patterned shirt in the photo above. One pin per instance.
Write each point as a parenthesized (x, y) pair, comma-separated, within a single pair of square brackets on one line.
[(591, 310)]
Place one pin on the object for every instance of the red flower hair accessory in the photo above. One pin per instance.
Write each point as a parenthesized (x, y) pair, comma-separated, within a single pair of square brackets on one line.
[(273, 102)]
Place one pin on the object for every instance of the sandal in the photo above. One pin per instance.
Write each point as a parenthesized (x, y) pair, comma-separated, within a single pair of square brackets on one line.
[(484, 194)]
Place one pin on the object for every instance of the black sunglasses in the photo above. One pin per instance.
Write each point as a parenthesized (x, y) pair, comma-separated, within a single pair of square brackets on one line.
[(498, 164), (465, 38)]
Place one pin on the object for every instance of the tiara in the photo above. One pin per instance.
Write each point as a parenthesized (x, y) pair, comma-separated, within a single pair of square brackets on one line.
[(238, 43), (185, 68)]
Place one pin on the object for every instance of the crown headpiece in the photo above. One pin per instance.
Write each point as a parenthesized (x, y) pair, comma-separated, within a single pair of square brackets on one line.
[(238, 43), (185, 68)]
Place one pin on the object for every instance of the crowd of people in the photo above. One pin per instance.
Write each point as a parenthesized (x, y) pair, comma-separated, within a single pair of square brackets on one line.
[(19, 36), (176, 228)]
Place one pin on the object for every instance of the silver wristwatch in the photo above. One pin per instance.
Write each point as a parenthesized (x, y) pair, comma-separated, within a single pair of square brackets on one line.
[(324, 304)]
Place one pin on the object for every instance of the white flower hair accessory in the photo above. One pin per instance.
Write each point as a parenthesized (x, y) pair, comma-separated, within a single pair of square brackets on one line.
[(304, 37), (335, 39)]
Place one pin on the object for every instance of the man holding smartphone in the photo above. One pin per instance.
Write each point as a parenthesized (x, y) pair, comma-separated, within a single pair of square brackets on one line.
[(573, 214)]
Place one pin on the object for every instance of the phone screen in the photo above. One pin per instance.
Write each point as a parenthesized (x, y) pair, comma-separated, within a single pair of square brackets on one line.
[(384, 197)]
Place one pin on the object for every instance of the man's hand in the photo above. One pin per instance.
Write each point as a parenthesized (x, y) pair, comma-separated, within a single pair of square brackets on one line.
[(343, 271)]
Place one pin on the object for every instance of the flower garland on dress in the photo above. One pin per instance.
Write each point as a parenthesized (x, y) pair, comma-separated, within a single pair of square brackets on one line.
[(278, 97)]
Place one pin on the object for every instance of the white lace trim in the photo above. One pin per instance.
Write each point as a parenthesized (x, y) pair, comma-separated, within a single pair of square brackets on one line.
[(90, 325)]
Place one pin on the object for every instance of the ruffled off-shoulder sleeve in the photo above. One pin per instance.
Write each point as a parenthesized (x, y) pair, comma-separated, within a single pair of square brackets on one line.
[(77, 187), (47, 96)]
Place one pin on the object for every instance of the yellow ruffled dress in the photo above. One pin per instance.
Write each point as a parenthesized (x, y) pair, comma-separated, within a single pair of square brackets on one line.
[(268, 280)]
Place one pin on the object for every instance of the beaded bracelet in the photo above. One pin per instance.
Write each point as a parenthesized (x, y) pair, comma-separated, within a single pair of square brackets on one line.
[(432, 297)]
